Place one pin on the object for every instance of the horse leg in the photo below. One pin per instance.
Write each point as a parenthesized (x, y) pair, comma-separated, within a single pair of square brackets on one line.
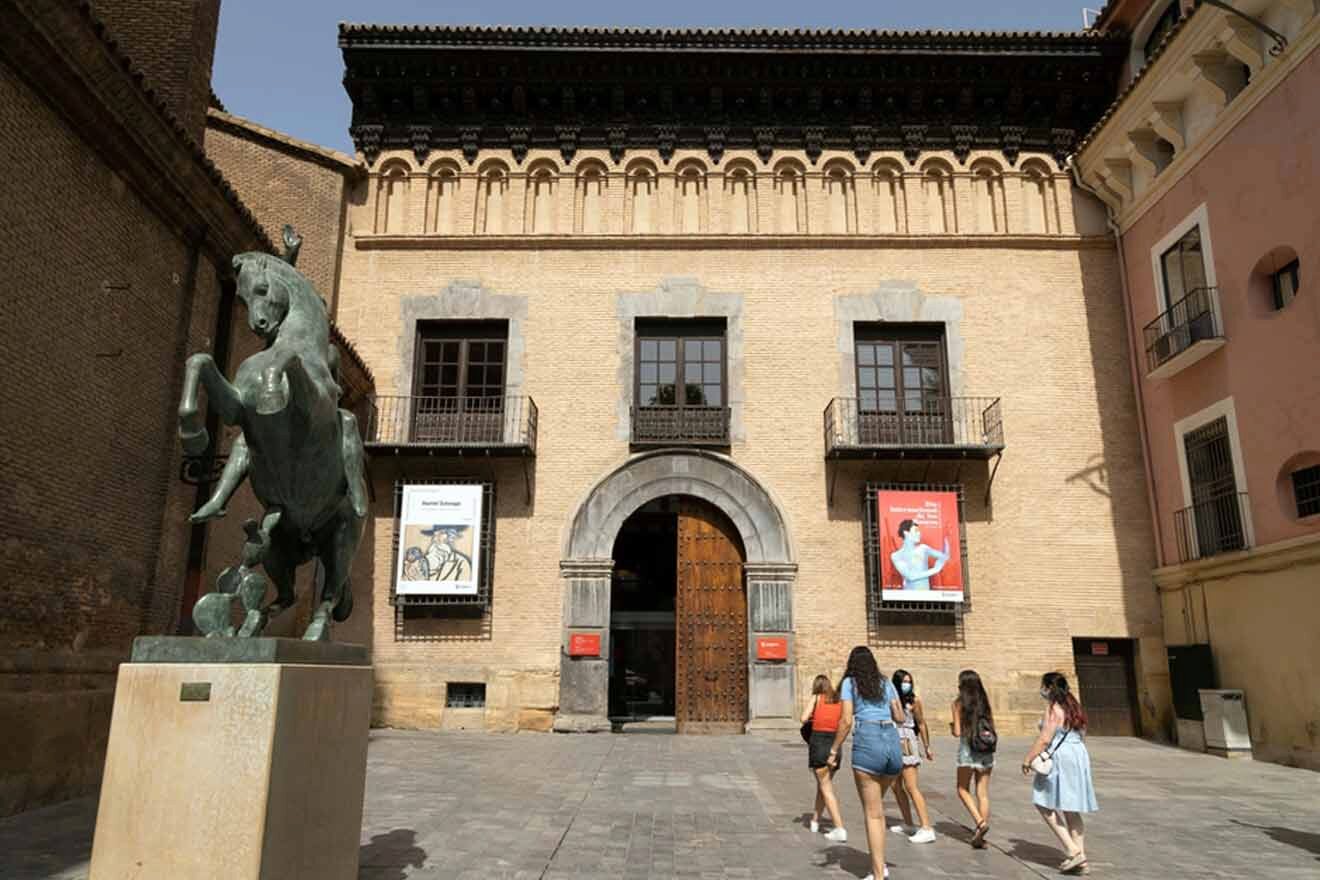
[(336, 553), (283, 380), (236, 469), (282, 568), (354, 457), (201, 371)]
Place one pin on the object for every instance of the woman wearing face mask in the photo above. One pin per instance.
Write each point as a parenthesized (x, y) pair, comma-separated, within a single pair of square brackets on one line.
[(914, 738), (1066, 792)]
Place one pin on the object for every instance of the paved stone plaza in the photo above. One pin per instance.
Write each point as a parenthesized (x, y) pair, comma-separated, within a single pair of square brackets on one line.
[(651, 805)]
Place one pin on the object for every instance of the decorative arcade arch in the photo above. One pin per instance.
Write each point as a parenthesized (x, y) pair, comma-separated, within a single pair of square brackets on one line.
[(586, 567)]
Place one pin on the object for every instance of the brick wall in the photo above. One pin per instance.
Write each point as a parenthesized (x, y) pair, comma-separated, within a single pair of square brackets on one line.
[(1063, 550), (173, 43), (283, 182), (98, 316)]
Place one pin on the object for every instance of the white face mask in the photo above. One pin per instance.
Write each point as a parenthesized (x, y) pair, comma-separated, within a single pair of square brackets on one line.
[(1045, 695), (906, 687)]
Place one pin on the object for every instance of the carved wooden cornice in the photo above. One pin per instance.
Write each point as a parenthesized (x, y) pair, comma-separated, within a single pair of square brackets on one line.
[(428, 88)]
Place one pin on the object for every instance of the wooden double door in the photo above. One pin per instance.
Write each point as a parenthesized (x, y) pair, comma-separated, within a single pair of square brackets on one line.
[(710, 623), (1107, 686)]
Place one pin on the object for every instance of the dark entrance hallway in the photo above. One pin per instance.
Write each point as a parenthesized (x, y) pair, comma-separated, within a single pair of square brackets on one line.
[(678, 619), (642, 600)]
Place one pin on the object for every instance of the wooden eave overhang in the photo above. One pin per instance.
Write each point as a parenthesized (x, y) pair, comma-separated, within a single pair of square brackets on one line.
[(427, 88)]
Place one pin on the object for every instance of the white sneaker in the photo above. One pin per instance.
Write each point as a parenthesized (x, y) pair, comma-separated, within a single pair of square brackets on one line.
[(899, 829), (872, 876), (814, 826), (923, 835), (837, 835)]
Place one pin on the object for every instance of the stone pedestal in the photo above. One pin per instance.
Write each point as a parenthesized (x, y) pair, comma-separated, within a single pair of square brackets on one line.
[(244, 759)]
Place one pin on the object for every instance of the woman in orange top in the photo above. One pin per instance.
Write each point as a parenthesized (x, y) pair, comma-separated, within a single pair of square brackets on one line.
[(823, 712)]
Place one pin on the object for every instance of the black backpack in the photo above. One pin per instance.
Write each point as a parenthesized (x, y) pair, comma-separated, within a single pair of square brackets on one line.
[(983, 738)]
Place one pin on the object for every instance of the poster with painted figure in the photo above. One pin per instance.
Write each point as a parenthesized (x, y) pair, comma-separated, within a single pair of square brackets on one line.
[(920, 559), (440, 540)]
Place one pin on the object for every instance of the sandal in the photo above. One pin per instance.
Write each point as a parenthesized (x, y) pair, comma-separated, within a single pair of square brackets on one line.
[(978, 839), (1073, 863)]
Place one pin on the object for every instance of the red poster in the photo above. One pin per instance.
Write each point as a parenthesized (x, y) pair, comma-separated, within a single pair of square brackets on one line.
[(773, 648), (919, 547)]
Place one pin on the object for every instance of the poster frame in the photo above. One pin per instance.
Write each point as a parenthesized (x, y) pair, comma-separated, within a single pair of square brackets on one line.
[(876, 604), (481, 599)]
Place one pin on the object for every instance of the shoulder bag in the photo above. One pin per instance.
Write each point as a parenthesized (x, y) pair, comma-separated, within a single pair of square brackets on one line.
[(1044, 762), (806, 725), (984, 739)]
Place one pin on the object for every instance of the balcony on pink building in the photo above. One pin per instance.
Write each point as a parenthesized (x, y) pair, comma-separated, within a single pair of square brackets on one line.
[(1183, 335)]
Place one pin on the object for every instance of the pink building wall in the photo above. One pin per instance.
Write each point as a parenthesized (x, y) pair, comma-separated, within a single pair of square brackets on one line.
[(1259, 186)]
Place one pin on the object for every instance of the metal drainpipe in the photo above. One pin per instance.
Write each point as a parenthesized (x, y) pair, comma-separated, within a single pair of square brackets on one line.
[(1152, 499)]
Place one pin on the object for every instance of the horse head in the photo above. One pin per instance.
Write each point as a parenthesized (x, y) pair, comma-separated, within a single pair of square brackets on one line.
[(265, 291)]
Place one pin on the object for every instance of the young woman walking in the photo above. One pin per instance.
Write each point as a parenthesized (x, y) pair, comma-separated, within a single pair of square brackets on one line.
[(872, 708), (1066, 792), (823, 712), (914, 739), (971, 719)]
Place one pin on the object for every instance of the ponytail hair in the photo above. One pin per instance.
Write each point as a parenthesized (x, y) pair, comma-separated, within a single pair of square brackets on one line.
[(821, 686), (1060, 695)]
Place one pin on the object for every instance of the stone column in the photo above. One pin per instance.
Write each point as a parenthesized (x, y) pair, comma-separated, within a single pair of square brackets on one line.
[(770, 683), (584, 681)]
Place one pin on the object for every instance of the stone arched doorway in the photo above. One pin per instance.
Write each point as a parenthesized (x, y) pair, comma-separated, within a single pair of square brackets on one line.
[(587, 566)]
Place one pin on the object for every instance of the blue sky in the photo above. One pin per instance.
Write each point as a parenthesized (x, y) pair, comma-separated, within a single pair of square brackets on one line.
[(278, 63)]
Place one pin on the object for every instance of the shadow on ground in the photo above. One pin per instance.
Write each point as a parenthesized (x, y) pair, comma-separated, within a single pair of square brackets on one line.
[(390, 853), (1305, 840), (1035, 853), (855, 862), (954, 831)]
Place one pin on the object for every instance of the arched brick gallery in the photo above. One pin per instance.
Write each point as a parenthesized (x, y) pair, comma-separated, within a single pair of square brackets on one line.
[(586, 567)]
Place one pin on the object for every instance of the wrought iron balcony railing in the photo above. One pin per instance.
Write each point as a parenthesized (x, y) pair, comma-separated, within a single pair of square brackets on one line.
[(938, 426), (682, 425), (1191, 320), (491, 423), (1213, 526)]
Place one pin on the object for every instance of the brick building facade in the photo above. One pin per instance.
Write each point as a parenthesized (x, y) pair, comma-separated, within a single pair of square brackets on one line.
[(512, 250), (1207, 163), (119, 236), (560, 221)]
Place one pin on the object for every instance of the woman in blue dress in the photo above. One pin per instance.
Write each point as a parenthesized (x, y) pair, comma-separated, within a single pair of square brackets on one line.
[(871, 709), (1066, 792)]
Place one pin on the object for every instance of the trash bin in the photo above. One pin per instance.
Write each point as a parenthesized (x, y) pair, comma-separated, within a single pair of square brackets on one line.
[(1226, 730)]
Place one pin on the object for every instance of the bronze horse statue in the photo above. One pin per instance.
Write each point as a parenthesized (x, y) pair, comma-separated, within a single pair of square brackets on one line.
[(301, 453)]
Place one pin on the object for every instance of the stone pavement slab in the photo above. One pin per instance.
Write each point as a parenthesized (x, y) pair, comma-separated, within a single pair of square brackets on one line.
[(639, 805)]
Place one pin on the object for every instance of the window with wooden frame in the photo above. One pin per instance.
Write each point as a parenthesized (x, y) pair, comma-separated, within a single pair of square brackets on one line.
[(458, 381), (1306, 491), (1183, 266), (681, 381), (902, 384), (1285, 282)]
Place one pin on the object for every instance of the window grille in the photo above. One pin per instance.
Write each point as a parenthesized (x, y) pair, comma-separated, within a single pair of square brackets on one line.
[(465, 695), (458, 606), (882, 612)]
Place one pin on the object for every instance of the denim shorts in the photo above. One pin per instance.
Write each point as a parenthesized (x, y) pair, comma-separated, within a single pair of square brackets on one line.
[(876, 749)]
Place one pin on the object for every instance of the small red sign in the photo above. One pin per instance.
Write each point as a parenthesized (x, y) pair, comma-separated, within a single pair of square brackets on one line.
[(1099, 649), (584, 645), (772, 649)]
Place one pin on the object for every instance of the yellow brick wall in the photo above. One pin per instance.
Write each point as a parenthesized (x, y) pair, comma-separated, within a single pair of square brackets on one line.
[(1064, 551)]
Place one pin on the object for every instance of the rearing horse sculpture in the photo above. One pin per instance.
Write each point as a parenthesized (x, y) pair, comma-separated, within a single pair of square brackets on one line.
[(301, 453)]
